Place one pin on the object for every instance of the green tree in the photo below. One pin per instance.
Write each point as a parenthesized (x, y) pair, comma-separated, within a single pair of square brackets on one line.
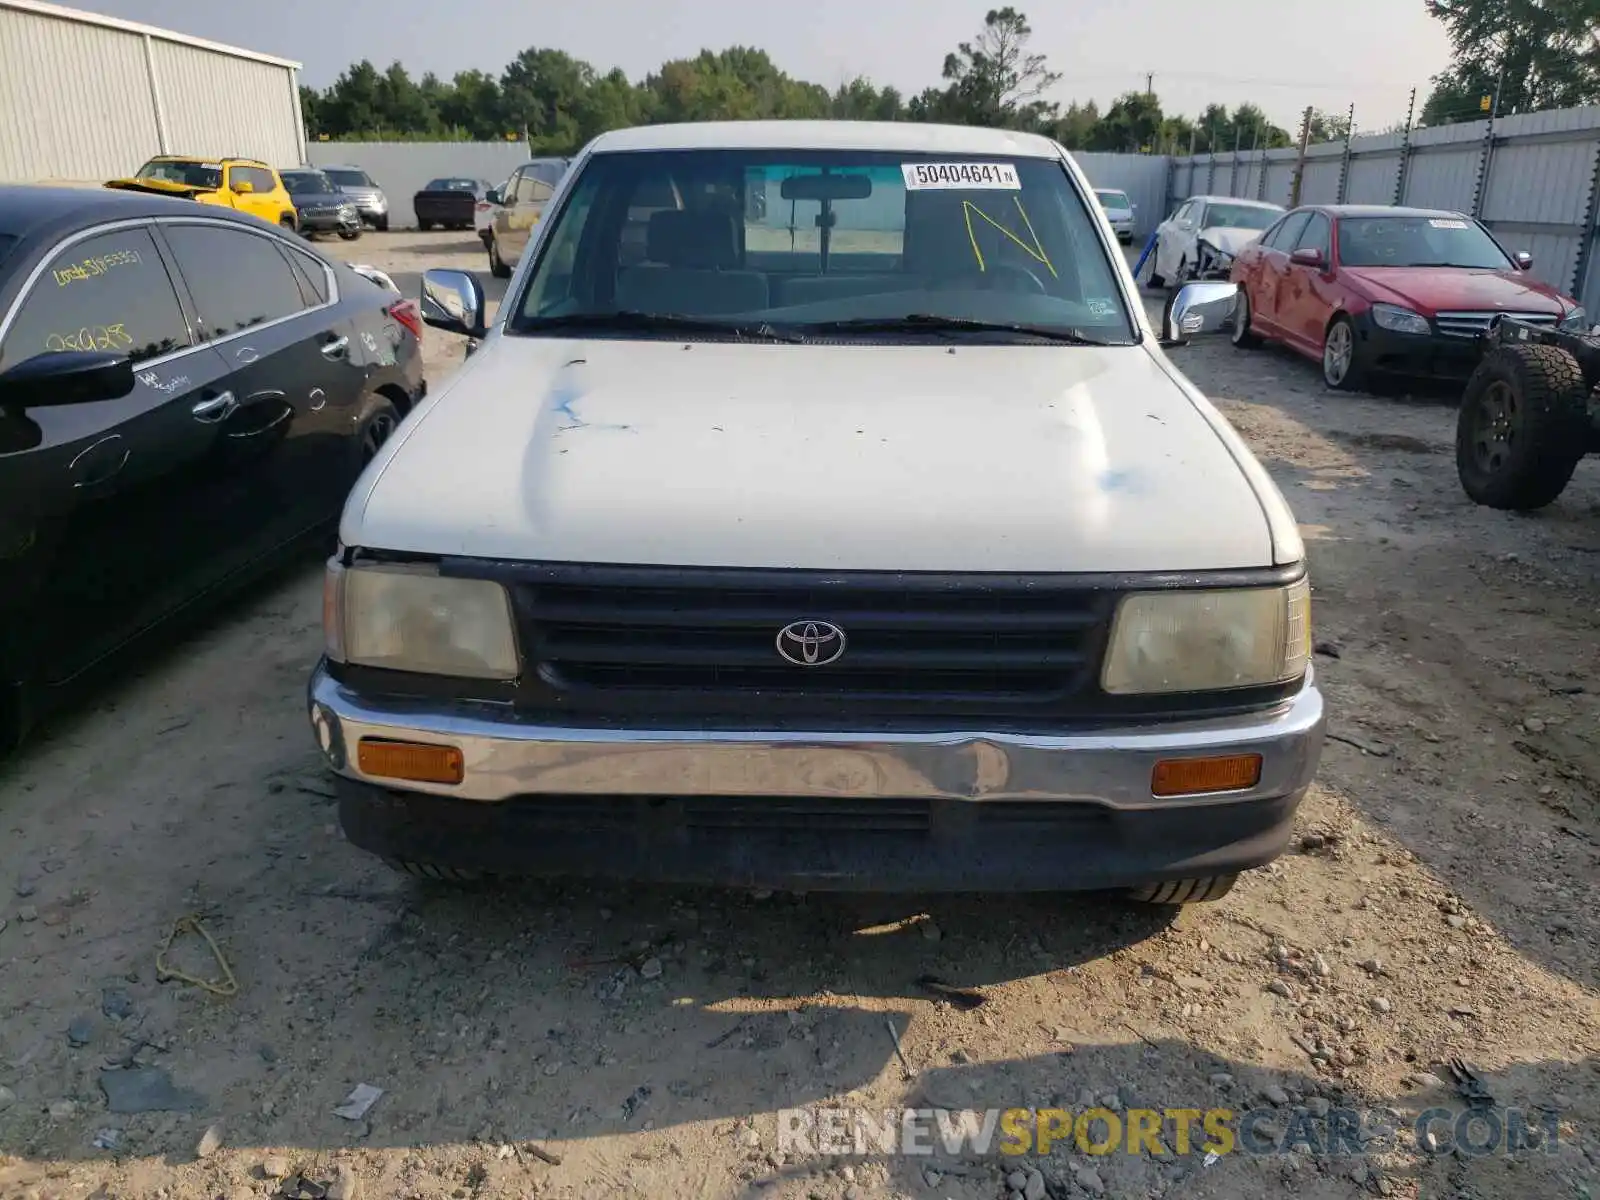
[(353, 104), (1131, 125), (1327, 127), (994, 81), (1075, 128), (543, 92), (1538, 53)]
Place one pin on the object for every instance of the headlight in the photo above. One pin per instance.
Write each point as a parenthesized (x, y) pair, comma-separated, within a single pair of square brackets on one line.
[(1576, 321), (407, 617), (1399, 320), (1200, 641)]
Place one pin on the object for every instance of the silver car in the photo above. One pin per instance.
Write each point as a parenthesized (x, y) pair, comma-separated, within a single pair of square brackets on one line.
[(1119, 211), (364, 193)]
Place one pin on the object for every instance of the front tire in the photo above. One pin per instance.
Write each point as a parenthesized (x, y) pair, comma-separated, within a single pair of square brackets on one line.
[(1185, 891), (377, 428), (497, 265), (1523, 427), (1344, 365), (349, 235), (433, 873), (289, 223), (381, 224), (1240, 334), (423, 226)]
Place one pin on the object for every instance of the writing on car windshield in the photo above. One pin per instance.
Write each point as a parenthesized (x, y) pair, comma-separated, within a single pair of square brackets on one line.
[(308, 183), (1418, 242), (869, 244), (1239, 216), (203, 175)]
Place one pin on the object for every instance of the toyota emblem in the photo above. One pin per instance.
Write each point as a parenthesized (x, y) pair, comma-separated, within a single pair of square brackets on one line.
[(811, 643)]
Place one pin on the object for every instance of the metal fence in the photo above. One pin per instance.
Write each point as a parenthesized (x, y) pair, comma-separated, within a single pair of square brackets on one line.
[(1532, 179)]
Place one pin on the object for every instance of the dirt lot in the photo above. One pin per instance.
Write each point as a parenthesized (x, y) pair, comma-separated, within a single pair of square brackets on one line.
[(1442, 906)]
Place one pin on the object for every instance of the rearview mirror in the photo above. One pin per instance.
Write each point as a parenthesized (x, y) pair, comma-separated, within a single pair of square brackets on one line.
[(1524, 261), (1307, 256), (66, 377), (1198, 308), (244, 187), (826, 187), (453, 301)]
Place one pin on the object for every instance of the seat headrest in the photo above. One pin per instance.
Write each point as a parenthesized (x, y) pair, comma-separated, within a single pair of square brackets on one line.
[(699, 240)]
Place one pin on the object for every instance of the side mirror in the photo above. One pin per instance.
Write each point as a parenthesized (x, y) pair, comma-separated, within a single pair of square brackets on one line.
[(1524, 261), (67, 377), (1198, 308), (453, 301), (244, 187), (494, 196), (1307, 256)]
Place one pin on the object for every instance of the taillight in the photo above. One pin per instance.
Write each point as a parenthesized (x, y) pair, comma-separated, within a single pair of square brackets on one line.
[(408, 314)]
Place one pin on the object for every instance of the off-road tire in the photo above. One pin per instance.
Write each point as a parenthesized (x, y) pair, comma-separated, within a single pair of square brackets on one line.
[(1550, 427), (1239, 334), (1185, 891), (433, 873)]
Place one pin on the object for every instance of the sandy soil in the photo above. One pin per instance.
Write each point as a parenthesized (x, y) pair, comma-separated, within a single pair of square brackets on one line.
[(1442, 906)]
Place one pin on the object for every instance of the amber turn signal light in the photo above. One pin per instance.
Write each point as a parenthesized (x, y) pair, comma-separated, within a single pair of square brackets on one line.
[(414, 761), (1197, 776)]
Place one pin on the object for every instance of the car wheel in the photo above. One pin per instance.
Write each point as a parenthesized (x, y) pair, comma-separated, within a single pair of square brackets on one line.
[(287, 222), (1522, 428), (423, 226), (433, 873), (1157, 281), (1240, 333), (378, 428), (381, 224), (1344, 367), (349, 235), (1185, 891), (497, 265)]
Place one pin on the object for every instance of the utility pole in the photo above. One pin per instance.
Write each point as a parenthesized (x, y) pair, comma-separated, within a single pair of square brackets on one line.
[(1344, 163), (1150, 84), (1300, 163), (1405, 153)]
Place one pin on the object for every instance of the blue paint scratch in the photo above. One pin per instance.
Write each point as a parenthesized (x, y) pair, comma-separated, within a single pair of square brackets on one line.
[(1117, 481), (565, 393)]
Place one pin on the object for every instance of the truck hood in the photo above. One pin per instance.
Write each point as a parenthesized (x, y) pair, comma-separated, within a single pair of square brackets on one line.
[(160, 187), (1229, 239), (1452, 289), (860, 457)]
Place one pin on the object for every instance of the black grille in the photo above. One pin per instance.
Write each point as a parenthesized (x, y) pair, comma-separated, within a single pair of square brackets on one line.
[(706, 641)]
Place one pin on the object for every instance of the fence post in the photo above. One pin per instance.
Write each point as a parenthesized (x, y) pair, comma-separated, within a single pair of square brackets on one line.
[(1300, 164), (1485, 158), (1344, 164), (1405, 154), (1261, 179), (1591, 213)]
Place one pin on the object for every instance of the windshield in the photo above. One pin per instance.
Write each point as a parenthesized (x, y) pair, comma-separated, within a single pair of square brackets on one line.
[(349, 178), (451, 185), (307, 183), (205, 175), (803, 239), (1418, 242), (546, 172), (1240, 216), (1113, 199)]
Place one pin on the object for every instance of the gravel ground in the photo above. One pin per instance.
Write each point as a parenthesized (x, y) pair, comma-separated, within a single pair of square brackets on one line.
[(1440, 906)]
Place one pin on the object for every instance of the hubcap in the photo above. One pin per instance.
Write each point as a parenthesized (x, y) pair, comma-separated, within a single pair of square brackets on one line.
[(1499, 418), (377, 433), (1336, 354)]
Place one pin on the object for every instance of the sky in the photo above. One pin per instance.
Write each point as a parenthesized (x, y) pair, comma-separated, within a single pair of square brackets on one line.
[(1280, 54)]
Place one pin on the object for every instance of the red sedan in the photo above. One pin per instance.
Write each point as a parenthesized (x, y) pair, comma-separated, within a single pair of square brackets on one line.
[(1367, 289)]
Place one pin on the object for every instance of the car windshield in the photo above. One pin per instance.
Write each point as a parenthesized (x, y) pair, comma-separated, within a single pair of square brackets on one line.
[(546, 172), (349, 178), (195, 174), (1240, 216), (1441, 241), (1113, 199), (307, 183), (450, 185), (991, 248)]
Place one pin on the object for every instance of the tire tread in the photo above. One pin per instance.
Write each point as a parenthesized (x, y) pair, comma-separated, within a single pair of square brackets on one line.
[(1550, 388), (1185, 891)]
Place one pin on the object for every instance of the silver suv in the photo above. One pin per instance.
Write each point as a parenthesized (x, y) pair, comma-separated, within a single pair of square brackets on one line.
[(364, 193)]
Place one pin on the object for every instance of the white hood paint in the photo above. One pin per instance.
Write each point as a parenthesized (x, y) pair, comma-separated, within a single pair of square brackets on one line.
[(1229, 239), (860, 457)]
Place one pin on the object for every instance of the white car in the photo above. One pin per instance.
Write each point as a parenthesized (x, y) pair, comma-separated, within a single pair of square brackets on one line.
[(1119, 211), (1202, 236), (845, 526)]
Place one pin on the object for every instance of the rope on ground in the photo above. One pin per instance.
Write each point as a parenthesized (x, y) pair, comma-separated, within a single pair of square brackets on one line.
[(227, 985)]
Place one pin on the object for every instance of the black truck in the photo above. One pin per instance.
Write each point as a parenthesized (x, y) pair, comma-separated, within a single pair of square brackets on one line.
[(451, 203)]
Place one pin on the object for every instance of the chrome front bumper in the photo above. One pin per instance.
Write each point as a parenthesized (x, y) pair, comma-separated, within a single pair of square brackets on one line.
[(508, 757)]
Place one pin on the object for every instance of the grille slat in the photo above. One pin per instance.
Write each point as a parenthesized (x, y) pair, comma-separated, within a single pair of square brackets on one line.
[(1471, 323)]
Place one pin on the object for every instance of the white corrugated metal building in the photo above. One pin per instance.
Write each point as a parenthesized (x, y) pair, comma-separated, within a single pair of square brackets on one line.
[(86, 98)]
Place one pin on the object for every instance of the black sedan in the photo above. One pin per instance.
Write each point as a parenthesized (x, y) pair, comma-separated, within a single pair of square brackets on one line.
[(451, 203), (186, 397), (319, 205)]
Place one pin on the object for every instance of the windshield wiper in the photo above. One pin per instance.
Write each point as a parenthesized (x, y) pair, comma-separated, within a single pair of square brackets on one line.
[(932, 322), (629, 320)]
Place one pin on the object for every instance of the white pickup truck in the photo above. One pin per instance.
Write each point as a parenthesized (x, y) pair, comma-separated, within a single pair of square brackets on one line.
[(821, 511)]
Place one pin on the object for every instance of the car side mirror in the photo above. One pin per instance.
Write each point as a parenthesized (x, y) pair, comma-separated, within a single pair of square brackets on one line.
[(1307, 256), (453, 301), (1198, 308), (1524, 261), (244, 187), (66, 377), (493, 196)]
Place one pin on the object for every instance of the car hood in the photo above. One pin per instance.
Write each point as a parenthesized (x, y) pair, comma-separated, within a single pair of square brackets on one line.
[(861, 457), (1228, 239), (1433, 289)]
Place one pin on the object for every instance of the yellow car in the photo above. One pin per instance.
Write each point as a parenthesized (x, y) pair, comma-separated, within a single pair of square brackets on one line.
[(245, 184)]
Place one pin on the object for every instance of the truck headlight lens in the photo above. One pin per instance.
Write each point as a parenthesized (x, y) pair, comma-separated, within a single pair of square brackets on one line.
[(1398, 320), (1576, 321), (407, 617), (1199, 641)]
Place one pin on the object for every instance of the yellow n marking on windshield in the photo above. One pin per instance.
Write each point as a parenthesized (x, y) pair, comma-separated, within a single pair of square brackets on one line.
[(1036, 251)]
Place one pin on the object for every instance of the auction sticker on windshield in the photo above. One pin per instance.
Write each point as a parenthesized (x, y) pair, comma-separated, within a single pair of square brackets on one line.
[(965, 176), (1448, 223)]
